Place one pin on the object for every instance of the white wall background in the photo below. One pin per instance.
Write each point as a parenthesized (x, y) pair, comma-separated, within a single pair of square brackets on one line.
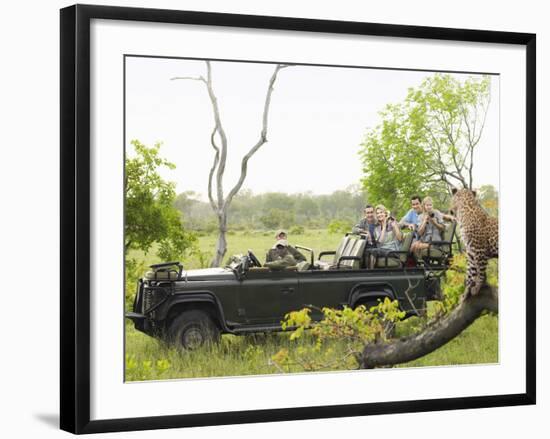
[(29, 185)]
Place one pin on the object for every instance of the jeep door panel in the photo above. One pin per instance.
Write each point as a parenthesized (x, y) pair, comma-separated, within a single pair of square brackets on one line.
[(264, 297)]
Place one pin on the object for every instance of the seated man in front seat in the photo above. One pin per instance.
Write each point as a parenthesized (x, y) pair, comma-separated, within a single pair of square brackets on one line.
[(282, 248)]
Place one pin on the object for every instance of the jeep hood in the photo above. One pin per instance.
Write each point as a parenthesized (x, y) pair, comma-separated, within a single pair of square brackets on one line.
[(216, 273)]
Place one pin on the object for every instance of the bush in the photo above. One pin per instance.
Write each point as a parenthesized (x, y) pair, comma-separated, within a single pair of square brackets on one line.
[(339, 227), (277, 218), (145, 370), (297, 230), (134, 270), (350, 328)]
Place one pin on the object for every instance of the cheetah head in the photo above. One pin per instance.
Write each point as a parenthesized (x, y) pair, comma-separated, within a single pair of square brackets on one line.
[(462, 198)]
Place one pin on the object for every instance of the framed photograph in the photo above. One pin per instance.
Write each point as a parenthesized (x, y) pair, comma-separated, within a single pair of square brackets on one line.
[(275, 218)]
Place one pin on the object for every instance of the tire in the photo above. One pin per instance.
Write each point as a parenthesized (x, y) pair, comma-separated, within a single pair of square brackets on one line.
[(192, 329)]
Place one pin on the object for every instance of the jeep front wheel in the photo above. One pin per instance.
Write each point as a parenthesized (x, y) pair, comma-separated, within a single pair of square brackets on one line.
[(193, 329)]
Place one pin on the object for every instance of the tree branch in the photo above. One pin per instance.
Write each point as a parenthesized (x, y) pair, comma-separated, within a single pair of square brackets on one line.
[(221, 132), (261, 140), (191, 78), (434, 336), (221, 153), (211, 174)]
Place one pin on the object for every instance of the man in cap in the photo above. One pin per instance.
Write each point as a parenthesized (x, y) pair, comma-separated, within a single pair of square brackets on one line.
[(281, 249)]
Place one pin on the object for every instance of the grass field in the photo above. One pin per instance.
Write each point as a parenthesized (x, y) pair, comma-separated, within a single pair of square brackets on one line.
[(257, 241), (149, 359)]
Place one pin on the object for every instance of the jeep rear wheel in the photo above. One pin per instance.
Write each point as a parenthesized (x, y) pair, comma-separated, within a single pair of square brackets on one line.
[(193, 329)]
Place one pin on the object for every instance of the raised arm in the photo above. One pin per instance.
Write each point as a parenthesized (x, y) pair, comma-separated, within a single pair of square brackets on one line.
[(397, 231), (422, 227), (440, 225), (296, 253)]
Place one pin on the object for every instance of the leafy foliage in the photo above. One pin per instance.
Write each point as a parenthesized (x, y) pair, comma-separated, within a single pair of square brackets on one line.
[(276, 218), (145, 370), (394, 161), (339, 226), (150, 213), (488, 197), (134, 269), (352, 327), (297, 230), (453, 285), (273, 210), (426, 142)]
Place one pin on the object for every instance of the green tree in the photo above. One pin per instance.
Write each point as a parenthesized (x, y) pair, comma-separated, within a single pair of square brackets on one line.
[(453, 115), (488, 197), (150, 215), (276, 218), (426, 143), (394, 161)]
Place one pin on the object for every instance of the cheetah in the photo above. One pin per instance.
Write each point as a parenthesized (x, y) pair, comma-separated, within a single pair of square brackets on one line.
[(479, 233)]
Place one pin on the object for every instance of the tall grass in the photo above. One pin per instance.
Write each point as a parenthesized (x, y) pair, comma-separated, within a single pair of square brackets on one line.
[(252, 354), (150, 359)]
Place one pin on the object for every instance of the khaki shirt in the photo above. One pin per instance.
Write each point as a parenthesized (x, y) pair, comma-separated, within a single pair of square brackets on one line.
[(431, 232), (279, 253)]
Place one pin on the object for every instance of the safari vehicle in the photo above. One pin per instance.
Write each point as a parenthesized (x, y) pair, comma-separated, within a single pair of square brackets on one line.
[(190, 307)]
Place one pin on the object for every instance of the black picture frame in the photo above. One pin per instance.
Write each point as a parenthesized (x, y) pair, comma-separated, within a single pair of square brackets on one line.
[(75, 217)]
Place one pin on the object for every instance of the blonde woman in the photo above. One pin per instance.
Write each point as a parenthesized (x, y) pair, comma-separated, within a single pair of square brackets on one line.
[(431, 227), (387, 232)]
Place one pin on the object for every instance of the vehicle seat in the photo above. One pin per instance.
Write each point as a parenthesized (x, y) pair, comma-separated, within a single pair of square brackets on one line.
[(161, 275), (397, 258), (325, 265), (355, 248), (440, 251)]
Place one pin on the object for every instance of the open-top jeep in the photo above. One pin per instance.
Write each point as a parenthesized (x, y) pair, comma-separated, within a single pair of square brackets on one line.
[(190, 307)]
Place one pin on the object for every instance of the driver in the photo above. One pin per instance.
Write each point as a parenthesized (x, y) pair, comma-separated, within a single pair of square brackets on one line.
[(282, 248)]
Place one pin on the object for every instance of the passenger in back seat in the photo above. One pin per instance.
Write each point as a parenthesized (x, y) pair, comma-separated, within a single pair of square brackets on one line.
[(367, 226), (387, 233)]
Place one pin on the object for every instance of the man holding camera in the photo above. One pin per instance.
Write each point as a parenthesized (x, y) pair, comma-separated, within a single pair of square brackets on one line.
[(283, 249)]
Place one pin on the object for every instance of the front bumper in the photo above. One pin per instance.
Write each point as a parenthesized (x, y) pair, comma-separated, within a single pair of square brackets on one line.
[(138, 319)]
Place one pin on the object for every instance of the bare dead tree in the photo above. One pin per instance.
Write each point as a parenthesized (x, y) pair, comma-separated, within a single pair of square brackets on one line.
[(435, 335), (220, 203)]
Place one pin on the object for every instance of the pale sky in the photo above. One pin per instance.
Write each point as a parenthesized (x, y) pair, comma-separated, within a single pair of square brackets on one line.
[(318, 118)]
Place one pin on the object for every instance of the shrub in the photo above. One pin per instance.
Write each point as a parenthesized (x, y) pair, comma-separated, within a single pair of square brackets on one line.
[(297, 230), (351, 328), (134, 270), (339, 227)]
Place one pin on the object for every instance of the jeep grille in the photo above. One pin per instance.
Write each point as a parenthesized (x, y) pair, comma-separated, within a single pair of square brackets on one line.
[(153, 296)]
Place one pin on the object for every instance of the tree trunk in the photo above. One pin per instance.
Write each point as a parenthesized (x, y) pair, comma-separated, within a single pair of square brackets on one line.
[(221, 245), (436, 335), (221, 205)]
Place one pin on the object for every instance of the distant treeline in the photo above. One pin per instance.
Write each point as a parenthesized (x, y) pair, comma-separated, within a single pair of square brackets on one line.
[(272, 210)]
